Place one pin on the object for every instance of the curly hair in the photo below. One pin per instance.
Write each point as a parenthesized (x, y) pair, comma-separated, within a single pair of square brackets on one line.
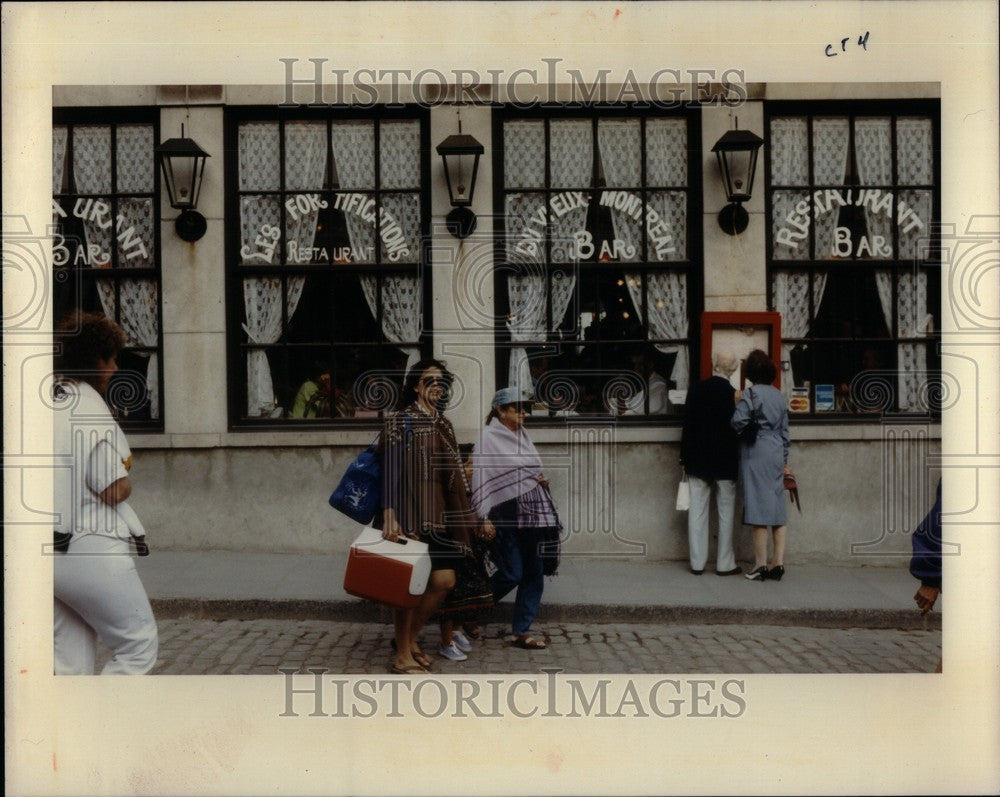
[(84, 338), (760, 368), (417, 371)]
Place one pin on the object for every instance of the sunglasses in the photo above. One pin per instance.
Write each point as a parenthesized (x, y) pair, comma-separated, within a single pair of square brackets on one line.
[(520, 407)]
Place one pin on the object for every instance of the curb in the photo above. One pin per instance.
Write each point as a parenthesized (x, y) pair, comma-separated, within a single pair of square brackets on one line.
[(364, 611)]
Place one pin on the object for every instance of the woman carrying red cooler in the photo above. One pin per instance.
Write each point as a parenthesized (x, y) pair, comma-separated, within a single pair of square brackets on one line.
[(425, 497)]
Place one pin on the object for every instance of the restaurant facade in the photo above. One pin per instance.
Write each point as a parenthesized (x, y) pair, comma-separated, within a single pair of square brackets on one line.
[(599, 275)]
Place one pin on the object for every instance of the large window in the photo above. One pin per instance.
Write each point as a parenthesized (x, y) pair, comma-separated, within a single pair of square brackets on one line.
[(852, 201), (326, 220), (599, 258), (105, 189)]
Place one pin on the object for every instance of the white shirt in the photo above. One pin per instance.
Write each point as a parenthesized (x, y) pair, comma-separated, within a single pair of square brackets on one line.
[(657, 398), (91, 454)]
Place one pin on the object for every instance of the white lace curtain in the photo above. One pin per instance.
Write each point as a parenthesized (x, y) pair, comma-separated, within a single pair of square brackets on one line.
[(665, 309), (666, 295), (790, 292), (92, 155), (570, 163), (873, 148), (790, 166), (354, 157), (259, 158), (873, 142), (830, 150), (912, 320)]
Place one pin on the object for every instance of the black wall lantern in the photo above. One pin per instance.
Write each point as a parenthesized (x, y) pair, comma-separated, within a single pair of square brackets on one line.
[(183, 164), (461, 165), (737, 153)]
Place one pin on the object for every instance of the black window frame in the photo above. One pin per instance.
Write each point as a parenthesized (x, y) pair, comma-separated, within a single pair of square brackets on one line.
[(76, 278), (235, 272), (692, 265), (930, 263)]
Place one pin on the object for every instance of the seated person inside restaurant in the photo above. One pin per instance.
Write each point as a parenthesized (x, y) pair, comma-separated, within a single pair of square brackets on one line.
[(313, 398), (644, 363)]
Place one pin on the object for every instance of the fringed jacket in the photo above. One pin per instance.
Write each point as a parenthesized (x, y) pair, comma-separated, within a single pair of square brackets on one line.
[(423, 478)]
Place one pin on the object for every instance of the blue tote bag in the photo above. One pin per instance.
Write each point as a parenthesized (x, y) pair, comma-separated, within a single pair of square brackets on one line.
[(359, 494), (360, 490)]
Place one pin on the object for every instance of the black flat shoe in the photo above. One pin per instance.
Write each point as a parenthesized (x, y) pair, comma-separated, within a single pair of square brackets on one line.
[(775, 573), (697, 572), (734, 572), (760, 574)]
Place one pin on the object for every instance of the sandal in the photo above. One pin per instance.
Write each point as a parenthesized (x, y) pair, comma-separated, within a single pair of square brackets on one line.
[(411, 669), (528, 642), (421, 658)]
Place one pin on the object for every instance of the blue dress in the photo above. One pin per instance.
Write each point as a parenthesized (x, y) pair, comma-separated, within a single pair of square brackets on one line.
[(762, 464)]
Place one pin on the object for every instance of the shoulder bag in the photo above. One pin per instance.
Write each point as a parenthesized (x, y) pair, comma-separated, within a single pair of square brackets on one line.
[(748, 434), (683, 493), (359, 493)]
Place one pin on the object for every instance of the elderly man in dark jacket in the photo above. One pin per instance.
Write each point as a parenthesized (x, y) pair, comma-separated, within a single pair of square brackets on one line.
[(710, 455)]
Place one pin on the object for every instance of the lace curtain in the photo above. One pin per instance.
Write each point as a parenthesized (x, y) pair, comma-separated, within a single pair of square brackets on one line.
[(139, 316), (790, 293), (570, 158), (789, 151), (830, 149), (620, 146), (873, 148), (259, 164), (873, 142), (525, 292), (912, 320), (790, 166), (60, 135), (354, 156), (666, 294), (665, 311)]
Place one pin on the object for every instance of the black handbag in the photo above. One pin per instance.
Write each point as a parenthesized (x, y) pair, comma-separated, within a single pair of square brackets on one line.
[(748, 434), (549, 549)]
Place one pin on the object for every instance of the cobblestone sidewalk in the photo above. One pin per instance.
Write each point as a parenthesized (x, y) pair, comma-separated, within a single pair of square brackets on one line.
[(199, 647)]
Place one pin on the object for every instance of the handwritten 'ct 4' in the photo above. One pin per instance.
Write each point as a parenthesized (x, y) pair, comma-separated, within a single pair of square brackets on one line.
[(862, 43)]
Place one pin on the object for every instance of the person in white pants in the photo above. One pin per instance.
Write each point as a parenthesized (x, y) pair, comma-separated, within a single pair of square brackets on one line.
[(710, 455), (97, 591)]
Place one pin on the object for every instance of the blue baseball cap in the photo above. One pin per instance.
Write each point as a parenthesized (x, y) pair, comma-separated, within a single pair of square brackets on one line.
[(510, 395)]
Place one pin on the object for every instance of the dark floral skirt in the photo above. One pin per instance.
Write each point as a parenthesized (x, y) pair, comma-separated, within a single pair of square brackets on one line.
[(472, 589)]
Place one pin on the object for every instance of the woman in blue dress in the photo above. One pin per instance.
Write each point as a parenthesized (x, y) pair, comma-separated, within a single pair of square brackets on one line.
[(763, 464)]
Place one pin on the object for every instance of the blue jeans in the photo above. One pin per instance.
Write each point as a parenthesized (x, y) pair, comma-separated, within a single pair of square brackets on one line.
[(515, 553)]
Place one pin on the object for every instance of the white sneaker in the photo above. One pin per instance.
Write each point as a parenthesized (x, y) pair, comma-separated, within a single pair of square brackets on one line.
[(461, 641), (452, 652)]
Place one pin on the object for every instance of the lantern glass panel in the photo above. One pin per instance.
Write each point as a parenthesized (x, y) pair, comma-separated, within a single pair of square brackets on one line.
[(461, 175), (183, 177), (740, 178)]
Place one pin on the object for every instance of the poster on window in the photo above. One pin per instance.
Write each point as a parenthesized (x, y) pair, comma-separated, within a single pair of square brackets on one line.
[(824, 398), (799, 401)]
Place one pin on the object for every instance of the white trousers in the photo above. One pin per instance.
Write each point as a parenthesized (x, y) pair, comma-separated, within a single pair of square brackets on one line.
[(98, 594), (725, 502)]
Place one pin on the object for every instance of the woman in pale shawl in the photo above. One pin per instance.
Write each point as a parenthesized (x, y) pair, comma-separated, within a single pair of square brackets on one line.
[(510, 494)]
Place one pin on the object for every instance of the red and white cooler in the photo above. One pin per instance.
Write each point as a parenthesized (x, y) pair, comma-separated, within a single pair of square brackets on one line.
[(393, 573)]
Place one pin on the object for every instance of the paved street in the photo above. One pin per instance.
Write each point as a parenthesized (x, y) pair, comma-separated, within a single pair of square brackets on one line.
[(198, 647)]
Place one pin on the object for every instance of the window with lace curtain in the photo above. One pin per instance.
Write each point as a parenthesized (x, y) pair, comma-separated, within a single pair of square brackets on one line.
[(326, 214), (598, 258), (106, 250), (852, 203)]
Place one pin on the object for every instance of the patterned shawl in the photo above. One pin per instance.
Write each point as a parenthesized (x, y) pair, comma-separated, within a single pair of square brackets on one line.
[(505, 466)]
